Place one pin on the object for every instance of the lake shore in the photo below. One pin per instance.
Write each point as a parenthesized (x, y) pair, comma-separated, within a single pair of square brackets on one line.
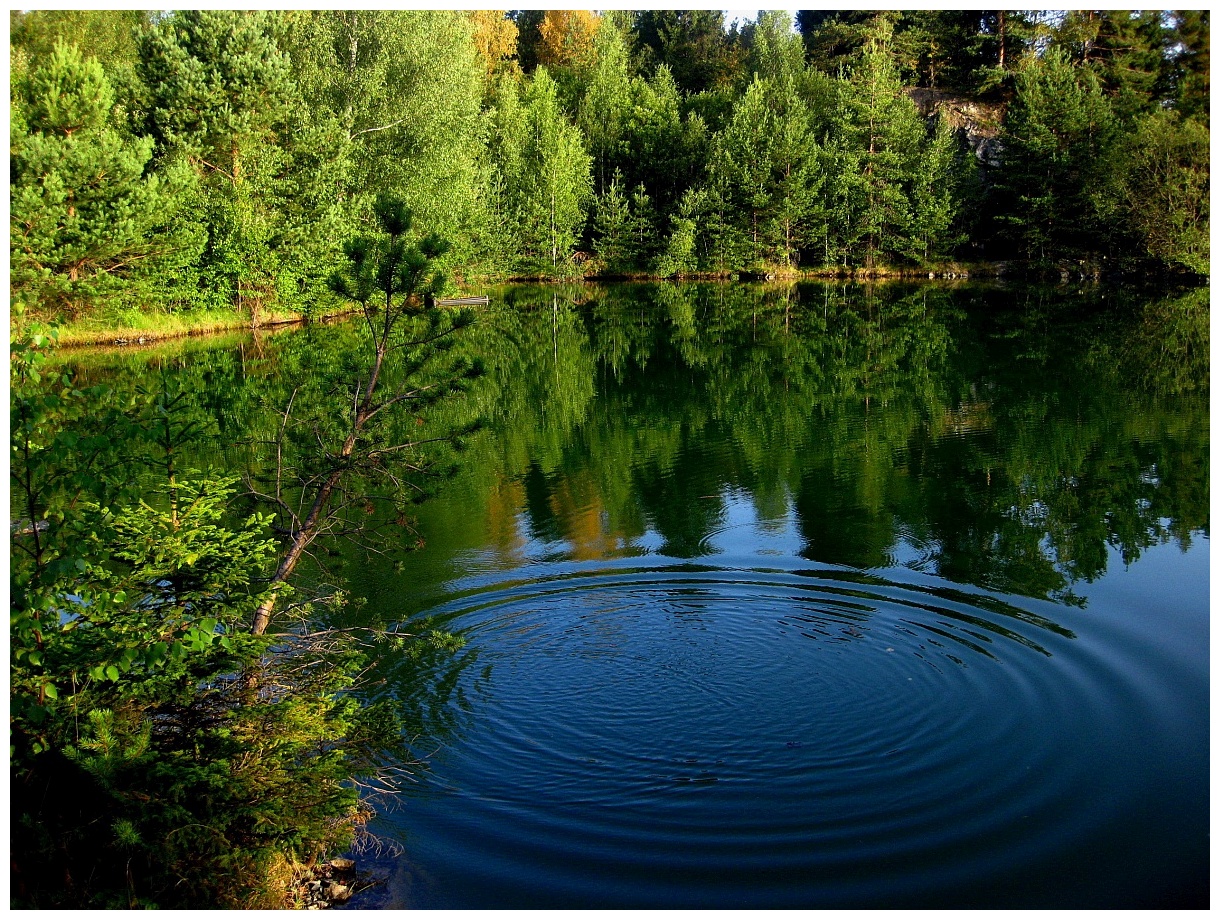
[(133, 328)]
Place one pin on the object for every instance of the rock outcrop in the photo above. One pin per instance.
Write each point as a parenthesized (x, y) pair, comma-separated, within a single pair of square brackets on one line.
[(979, 122)]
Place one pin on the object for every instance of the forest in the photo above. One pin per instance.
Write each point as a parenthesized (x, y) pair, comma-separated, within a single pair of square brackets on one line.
[(197, 722), (212, 160)]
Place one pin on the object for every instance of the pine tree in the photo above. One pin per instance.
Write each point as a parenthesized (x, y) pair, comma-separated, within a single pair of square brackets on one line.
[(82, 210), (835, 38), (767, 170), (394, 282), (1129, 52), (221, 97), (878, 144), (108, 36), (1190, 73), (1057, 136), (218, 87)]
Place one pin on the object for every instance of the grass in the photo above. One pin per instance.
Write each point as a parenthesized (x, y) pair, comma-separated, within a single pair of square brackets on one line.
[(123, 325), (131, 324)]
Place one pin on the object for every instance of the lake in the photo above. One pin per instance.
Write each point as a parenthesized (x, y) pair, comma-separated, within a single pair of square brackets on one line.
[(796, 596)]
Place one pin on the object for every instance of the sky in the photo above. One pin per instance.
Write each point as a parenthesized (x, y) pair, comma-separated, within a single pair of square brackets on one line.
[(751, 14)]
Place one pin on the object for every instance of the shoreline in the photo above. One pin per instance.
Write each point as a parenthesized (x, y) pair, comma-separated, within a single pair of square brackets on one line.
[(92, 333)]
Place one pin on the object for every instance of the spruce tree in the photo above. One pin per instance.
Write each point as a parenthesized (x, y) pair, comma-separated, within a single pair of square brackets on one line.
[(610, 226), (693, 44), (663, 151), (934, 197), (680, 253), (624, 228)]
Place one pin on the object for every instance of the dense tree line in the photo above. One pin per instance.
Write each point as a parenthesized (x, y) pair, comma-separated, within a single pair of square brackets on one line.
[(214, 158)]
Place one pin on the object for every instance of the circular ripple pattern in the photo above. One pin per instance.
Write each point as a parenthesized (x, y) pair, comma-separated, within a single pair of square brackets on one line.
[(681, 736)]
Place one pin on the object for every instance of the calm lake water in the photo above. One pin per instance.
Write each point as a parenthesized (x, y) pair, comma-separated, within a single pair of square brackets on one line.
[(800, 596)]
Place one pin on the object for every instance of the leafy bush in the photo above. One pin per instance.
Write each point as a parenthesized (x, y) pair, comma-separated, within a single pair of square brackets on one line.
[(162, 754)]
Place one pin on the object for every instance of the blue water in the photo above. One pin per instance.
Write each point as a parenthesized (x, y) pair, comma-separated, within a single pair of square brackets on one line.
[(925, 627), (752, 731)]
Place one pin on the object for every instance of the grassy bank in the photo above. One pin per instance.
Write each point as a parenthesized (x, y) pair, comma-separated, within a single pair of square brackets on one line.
[(114, 327), (939, 270), (129, 325)]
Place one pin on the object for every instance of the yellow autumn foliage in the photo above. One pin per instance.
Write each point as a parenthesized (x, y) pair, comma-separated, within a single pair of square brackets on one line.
[(568, 38)]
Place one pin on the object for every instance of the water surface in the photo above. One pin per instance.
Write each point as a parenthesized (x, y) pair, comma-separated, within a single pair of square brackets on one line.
[(805, 596)]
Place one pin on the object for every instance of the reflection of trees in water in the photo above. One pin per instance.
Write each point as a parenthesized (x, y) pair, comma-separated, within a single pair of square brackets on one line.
[(1003, 437), (991, 429)]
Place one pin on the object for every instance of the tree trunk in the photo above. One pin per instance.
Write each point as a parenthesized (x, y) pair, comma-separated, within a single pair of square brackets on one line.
[(1002, 39), (308, 531)]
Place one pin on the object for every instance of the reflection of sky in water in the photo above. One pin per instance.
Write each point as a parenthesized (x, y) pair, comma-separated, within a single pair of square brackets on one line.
[(738, 535), (654, 719), (740, 532)]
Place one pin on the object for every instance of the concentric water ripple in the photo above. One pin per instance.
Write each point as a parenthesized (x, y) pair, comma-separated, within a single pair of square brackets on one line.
[(682, 735)]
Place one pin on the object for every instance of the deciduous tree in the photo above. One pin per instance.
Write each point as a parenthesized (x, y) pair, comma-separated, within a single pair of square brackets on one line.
[(1163, 184)]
